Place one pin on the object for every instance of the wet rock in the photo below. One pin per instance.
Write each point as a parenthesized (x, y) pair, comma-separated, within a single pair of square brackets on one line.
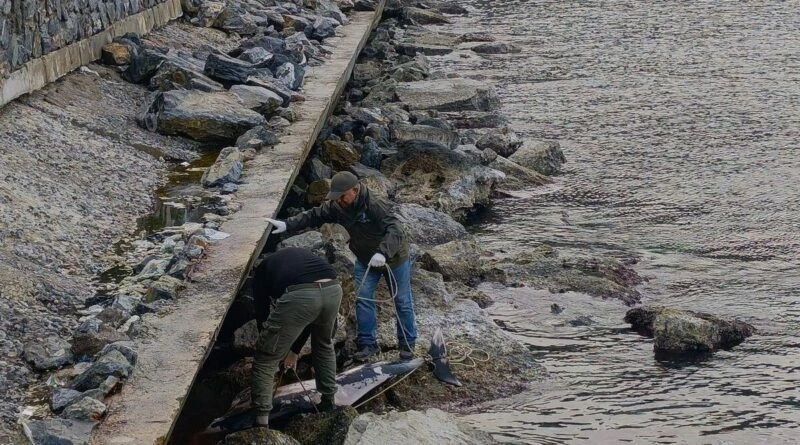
[(322, 428), (211, 117), (380, 93), (476, 119), (246, 337), (679, 331), (496, 48), (111, 364), (431, 426), (58, 431), (165, 288), (411, 71), (448, 95), (544, 157), (440, 178), (115, 54), (503, 141), (86, 408), (339, 154), (51, 353), (259, 436), (429, 227), (458, 260), (517, 176), (258, 138), (227, 168), (475, 37), (403, 132), (411, 48), (424, 16)]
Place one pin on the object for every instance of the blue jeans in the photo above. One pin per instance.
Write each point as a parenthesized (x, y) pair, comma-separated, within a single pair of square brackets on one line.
[(366, 317)]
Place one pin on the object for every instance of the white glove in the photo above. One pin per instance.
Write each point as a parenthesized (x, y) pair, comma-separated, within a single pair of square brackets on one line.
[(279, 226), (377, 260)]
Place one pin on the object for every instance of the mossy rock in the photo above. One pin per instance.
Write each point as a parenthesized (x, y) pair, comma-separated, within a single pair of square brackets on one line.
[(323, 428)]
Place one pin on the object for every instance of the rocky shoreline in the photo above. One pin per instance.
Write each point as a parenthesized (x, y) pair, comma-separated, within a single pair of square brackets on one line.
[(431, 142)]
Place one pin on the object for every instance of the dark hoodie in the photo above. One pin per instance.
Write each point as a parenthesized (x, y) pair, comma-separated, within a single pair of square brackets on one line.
[(369, 221)]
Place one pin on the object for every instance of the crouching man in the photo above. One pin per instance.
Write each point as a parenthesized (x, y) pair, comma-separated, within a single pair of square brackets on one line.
[(304, 295)]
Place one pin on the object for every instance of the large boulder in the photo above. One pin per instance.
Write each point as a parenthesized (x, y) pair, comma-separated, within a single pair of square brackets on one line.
[(112, 364), (503, 141), (182, 71), (448, 95), (429, 227), (433, 176), (405, 132), (517, 176), (259, 436), (681, 331), (339, 154), (545, 157), (458, 260), (414, 427), (205, 117), (322, 428), (258, 99)]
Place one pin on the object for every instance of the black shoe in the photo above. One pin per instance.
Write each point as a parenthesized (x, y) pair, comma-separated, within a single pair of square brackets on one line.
[(406, 354), (366, 352), (326, 405)]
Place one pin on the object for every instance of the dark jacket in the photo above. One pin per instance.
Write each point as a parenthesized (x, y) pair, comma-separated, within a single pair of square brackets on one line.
[(372, 226)]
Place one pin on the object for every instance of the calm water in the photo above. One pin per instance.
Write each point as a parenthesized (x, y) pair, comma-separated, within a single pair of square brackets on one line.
[(681, 125)]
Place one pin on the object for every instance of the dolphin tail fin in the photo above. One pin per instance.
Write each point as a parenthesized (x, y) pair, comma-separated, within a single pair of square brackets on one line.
[(441, 366)]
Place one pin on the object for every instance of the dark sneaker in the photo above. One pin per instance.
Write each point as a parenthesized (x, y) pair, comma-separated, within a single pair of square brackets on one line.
[(326, 405), (406, 354), (366, 352)]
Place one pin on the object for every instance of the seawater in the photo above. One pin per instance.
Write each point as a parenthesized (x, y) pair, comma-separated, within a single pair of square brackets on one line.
[(680, 122)]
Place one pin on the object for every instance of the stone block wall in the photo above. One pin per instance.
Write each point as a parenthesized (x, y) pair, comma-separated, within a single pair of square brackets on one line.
[(32, 28)]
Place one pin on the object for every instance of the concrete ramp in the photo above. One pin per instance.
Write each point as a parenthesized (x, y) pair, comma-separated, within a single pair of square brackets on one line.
[(178, 343)]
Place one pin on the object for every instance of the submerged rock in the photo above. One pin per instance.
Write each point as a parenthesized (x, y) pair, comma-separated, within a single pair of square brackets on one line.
[(545, 157), (681, 331)]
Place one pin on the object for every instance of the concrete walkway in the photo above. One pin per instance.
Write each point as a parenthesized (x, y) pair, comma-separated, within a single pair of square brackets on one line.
[(144, 412)]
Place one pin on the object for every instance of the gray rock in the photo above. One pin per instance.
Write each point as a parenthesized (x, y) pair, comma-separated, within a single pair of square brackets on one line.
[(544, 157), (153, 269), (58, 431), (111, 364), (258, 138), (318, 170), (496, 48), (62, 397), (226, 189), (429, 227), (309, 240), (476, 119), (339, 154), (256, 56), (330, 9), (207, 117), (126, 348), (448, 95), (227, 168), (227, 69), (502, 141), (323, 28), (431, 426), (374, 180), (86, 408), (517, 176), (403, 132), (458, 260), (260, 436), (274, 85), (679, 331), (424, 16), (258, 99), (90, 343), (182, 71), (245, 338), (51, 353), (165, 288), (411, 48), (143, 66)]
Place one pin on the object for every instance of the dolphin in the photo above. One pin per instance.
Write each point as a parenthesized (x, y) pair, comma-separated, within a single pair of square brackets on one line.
[(441, 365), (301, 397)]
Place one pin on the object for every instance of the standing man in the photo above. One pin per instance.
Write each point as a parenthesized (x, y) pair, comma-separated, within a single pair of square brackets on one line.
[(379, 242), (305, 295)]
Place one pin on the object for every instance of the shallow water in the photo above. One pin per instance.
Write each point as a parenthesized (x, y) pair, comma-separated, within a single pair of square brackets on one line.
[(681, 127)]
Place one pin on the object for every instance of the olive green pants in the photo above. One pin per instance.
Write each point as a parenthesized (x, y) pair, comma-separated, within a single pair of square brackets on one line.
[(316, 307)]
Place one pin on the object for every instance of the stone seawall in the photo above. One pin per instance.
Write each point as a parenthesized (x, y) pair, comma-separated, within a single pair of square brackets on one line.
[(41, 40)]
